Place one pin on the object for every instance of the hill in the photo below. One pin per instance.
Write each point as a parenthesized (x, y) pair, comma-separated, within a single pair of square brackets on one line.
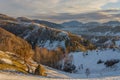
[(5, 17), (11, 43), (50, 45)]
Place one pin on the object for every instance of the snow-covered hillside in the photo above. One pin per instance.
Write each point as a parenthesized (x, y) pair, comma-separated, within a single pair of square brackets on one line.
[(55, 75), (98, 62), (88, 60), (43, 36), (111, 28)]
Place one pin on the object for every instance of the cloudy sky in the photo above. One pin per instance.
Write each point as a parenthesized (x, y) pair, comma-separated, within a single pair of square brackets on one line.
[(63, 10)]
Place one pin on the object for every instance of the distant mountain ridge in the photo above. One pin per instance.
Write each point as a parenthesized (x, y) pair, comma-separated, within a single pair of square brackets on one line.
[(72, 24), (94, 28), (45, 23), (77, 24), (5, 17)]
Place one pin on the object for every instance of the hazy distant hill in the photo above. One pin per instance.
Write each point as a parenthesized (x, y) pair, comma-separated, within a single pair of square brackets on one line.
[(72, 24), (5, 17), (45, 23), (49, 24)]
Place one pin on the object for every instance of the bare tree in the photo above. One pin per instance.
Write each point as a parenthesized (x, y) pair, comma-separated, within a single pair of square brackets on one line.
[(87, 72)]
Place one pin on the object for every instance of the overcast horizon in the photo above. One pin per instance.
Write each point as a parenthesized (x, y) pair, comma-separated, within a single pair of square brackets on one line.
[(63, 10)]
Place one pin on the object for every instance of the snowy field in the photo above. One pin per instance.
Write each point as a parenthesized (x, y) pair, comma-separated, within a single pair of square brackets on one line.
[(13, 76), (54, 74), (90, 60)]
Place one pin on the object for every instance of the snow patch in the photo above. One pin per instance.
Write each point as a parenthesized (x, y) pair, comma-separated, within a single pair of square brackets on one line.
[(52, 45), (117, 43)]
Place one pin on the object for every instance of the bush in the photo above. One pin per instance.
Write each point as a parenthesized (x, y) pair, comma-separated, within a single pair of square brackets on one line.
[(40, 70), (110, 63), (100, 61), (69, 67)]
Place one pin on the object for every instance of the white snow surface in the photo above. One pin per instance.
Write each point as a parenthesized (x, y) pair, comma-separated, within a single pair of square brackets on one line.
[(53, 75), (36, 27), (117, 43), (90, 61), (54, 44)]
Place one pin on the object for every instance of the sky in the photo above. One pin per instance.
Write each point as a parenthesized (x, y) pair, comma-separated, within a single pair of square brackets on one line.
[(63, 10)]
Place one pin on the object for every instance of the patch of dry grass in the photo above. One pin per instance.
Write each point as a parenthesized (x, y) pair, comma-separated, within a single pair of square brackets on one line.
[(15, 66)]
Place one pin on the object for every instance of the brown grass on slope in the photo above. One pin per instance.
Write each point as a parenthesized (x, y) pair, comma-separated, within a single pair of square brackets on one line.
[(11, 43)]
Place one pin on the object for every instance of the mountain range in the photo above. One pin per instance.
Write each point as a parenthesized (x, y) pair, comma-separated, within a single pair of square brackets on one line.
[(33, 46)]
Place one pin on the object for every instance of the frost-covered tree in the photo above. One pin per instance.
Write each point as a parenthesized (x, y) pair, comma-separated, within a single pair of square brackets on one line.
[(87, 72), (68, 64)]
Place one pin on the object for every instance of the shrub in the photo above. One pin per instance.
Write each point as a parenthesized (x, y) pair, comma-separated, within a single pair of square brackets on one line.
[(110, 63), (100, 61), (40, 70), (69, 67)]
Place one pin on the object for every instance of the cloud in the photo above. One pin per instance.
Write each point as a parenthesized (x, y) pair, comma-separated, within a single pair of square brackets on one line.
[(32, 7), (60, 10), (99, 16)]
